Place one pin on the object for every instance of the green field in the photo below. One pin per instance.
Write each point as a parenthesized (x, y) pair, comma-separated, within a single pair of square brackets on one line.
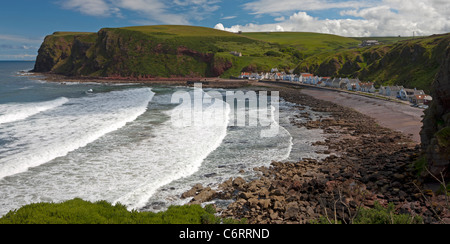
[(385, 39), (179, 30), (307, 42)]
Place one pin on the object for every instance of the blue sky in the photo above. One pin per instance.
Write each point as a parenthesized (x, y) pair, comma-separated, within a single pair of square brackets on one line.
[(25, 23)]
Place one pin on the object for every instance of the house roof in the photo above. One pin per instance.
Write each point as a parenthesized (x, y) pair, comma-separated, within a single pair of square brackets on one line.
[(395, 88)]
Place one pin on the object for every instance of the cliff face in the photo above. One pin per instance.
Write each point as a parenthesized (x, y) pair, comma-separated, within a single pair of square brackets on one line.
[(436, 129), (412, 63), (127, 53)]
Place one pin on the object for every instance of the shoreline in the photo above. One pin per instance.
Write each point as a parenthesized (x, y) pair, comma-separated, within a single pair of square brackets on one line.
[(373, 164), (387, 113), (368, 164)]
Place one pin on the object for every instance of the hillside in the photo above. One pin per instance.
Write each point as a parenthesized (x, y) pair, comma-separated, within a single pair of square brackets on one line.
[(306, 42), (158, 51), (435, 132), (412, 63)]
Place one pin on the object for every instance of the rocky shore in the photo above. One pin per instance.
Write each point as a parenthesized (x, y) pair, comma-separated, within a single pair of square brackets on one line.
[(367, 164)]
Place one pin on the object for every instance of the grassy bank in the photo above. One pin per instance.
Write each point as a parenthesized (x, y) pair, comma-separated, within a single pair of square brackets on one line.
[(78, 211)]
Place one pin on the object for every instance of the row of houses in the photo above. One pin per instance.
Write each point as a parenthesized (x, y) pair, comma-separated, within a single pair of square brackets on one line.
[(412, 95)]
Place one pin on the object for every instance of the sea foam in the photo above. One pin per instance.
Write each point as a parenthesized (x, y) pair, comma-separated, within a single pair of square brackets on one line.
[(69, 125), (15, 112)]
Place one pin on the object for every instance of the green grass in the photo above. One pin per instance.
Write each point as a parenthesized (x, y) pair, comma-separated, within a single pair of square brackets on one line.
[(385, 39), (77, 211), (410, 63), (378, 215), (180, 30), (307, 42), (66, 33)]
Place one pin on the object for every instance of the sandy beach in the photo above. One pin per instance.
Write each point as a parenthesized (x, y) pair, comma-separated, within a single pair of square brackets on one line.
[(392, 115)]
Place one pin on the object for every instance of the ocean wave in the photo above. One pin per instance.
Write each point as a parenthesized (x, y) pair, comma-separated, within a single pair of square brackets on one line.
[(56, 132), (15, 112), (178, 149)]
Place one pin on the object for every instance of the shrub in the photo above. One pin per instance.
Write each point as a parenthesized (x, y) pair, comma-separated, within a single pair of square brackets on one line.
[(77, 211), (381, 215)]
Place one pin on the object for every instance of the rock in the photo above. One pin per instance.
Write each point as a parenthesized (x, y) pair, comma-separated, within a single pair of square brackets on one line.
[(265, 203), (246, 195), (278, 206), (253, 202), (399, 176), (291, 211), (274, 216), (239, 183), (192, 192), (205, 195)]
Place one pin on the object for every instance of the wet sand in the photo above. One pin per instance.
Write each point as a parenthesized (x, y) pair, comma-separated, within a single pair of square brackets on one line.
[(392, 115)]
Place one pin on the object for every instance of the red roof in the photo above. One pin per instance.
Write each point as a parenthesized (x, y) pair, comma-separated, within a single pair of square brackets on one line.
[(307, 75)]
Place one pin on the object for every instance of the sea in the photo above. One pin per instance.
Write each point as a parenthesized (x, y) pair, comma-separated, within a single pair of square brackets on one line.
[(130, 143)]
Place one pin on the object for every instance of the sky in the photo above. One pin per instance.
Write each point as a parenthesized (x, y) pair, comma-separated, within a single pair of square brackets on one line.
[(25, 23)]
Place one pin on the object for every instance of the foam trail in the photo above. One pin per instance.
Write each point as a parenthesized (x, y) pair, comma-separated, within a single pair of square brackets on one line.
[(56, 132), (15, 112), (185, 148)]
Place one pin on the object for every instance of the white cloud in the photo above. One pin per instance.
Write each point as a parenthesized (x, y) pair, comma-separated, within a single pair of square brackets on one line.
[(89, 7), (153, 11), (386, 18), (229, 17), (22, 39), (280, 6)]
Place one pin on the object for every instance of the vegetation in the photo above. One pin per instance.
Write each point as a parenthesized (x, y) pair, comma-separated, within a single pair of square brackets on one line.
[(381, 215), (188, 51), (77, 211), (411, 63), (306, 42), (385, 39), (160, 51), (377, 215)]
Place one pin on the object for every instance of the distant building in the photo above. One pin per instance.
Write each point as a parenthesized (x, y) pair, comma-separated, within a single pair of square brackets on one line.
[(393, 91), (237, 54), (368, 43), (420, 99)]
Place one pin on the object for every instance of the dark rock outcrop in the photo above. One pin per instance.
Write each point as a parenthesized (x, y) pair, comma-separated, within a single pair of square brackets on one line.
[(436, 129)]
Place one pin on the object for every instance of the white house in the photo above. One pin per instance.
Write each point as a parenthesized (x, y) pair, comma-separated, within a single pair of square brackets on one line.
[(382, 90), (351, 86), (365, 87), (405, 93), (321, 83), (336, 83), (393, 91)]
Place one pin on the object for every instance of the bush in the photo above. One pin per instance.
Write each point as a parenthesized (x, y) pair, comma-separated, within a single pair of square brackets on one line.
[(381, 215), (77, 211), (273, 54)]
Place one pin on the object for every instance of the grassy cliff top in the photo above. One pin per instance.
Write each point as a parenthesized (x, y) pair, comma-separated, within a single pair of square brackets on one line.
[(180, 31), (310, 43)]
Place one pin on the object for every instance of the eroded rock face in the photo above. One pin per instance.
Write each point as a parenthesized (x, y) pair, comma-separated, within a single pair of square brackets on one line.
[(436, 129)]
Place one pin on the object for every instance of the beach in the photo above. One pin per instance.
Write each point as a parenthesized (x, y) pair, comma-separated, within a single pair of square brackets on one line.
[(338, 152), (368, 164)]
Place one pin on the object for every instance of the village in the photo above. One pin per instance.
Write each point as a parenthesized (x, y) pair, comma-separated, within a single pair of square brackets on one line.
[(416, 98)]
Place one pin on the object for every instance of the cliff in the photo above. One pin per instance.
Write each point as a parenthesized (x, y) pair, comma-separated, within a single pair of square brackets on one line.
[(155, 51), (435, 133), (411, 63)]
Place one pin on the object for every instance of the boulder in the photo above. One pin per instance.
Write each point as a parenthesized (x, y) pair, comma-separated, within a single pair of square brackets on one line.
[(292, 210)]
